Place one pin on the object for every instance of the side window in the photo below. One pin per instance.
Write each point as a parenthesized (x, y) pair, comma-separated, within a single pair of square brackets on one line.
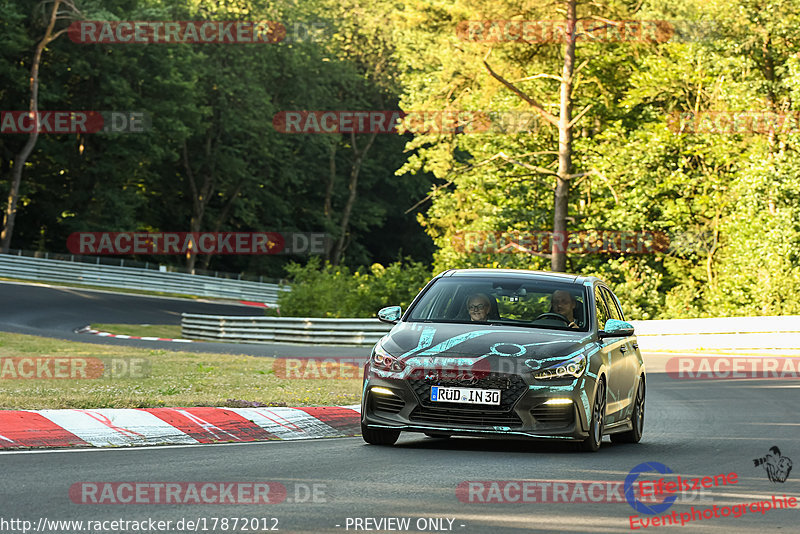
[(600, 307), (613, 310)]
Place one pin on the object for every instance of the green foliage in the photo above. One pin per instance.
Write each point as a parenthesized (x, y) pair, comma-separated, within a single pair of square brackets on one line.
[(727, 202), (335, 291), (217, 102)]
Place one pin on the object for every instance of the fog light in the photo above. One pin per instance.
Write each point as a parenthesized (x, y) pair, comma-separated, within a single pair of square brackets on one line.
[(382, 391), (559, 401)]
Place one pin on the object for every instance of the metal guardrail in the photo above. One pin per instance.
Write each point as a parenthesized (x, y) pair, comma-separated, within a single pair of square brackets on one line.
[(719, 333), (283, 329), (127, 262), (111, 276), (659, 335)]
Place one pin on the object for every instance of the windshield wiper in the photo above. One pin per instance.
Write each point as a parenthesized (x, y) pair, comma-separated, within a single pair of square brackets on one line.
[(534, 325)]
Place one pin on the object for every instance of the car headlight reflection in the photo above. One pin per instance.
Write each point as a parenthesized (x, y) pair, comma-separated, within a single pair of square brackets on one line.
[(572, 368), (386, 362)]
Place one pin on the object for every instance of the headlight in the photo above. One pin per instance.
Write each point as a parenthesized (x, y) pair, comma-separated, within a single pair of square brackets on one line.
[(386, 362), (570, 368)]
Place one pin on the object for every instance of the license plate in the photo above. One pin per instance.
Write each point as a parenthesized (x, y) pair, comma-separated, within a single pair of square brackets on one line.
[(465, 395)]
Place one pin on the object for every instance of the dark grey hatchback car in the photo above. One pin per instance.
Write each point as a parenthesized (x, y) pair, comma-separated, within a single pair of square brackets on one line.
[(487, 352)]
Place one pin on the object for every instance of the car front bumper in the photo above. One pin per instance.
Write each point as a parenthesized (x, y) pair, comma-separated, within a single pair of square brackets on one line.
[(523, 412)]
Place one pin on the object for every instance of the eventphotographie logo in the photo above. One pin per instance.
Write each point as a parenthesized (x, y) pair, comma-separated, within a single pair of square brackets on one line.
[(776, 465)]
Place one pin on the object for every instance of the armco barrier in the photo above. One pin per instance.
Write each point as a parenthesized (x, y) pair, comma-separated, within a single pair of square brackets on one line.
[(112, 276), (653, 336), (283, 329), (719, 333)]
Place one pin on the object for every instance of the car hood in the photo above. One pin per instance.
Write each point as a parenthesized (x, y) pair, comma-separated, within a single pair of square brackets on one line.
[(497, 347)]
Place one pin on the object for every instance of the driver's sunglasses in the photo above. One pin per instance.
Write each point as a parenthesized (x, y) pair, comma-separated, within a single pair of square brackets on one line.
[(476, 307)]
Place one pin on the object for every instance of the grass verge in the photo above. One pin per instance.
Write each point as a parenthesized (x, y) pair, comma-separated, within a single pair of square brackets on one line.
[(161, 378), (172, 331)]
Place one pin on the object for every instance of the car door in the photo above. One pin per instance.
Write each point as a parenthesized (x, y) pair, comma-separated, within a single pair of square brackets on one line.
[(616, 360), (629, 360)]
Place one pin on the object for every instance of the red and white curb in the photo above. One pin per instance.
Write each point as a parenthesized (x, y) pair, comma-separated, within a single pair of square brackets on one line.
[(87, 330), (259, 304), (112, 427)]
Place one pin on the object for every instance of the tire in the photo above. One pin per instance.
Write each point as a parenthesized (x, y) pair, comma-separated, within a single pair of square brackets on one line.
[(437, 436), (597, 422), (637, 419), (379, 436)]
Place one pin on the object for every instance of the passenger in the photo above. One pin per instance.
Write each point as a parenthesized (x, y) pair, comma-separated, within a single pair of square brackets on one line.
[(563, 303), (479, 305)]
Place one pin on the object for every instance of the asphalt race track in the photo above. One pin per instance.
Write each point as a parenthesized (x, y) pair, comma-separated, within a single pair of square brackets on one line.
[(53, 311), (697, 428)]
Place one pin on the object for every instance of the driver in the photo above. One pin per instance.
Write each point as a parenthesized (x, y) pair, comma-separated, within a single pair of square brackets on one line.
[(563, 303), (478, 306)]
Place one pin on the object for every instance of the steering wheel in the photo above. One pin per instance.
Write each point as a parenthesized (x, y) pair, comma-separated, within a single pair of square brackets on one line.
[(553, 315)]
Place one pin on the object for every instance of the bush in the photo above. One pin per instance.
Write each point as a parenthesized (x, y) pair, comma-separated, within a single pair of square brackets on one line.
[(333, 291)]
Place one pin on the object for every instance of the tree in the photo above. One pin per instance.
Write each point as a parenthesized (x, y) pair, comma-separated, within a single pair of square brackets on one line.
[(565, 125), (55, 14)]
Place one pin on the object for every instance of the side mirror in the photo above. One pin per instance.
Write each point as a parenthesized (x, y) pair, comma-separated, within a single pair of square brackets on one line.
[(390, 314), (616, 328)]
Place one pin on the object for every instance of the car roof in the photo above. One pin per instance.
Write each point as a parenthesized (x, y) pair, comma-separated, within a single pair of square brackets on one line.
[(540, 275)]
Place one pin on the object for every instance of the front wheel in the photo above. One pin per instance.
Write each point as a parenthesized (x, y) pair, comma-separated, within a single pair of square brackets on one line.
[(637, 419), (592, 443), (379, 436)]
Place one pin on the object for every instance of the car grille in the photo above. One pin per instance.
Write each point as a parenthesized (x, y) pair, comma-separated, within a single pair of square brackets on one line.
[(562, 414), (512, 387), (386, 403), (461, 417)]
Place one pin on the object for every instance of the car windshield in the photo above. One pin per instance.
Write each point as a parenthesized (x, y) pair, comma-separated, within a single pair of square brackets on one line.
[(515, 301)]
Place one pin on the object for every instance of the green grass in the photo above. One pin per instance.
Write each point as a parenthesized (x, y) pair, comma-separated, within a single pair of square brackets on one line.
[(172, 379), (143, 330)]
